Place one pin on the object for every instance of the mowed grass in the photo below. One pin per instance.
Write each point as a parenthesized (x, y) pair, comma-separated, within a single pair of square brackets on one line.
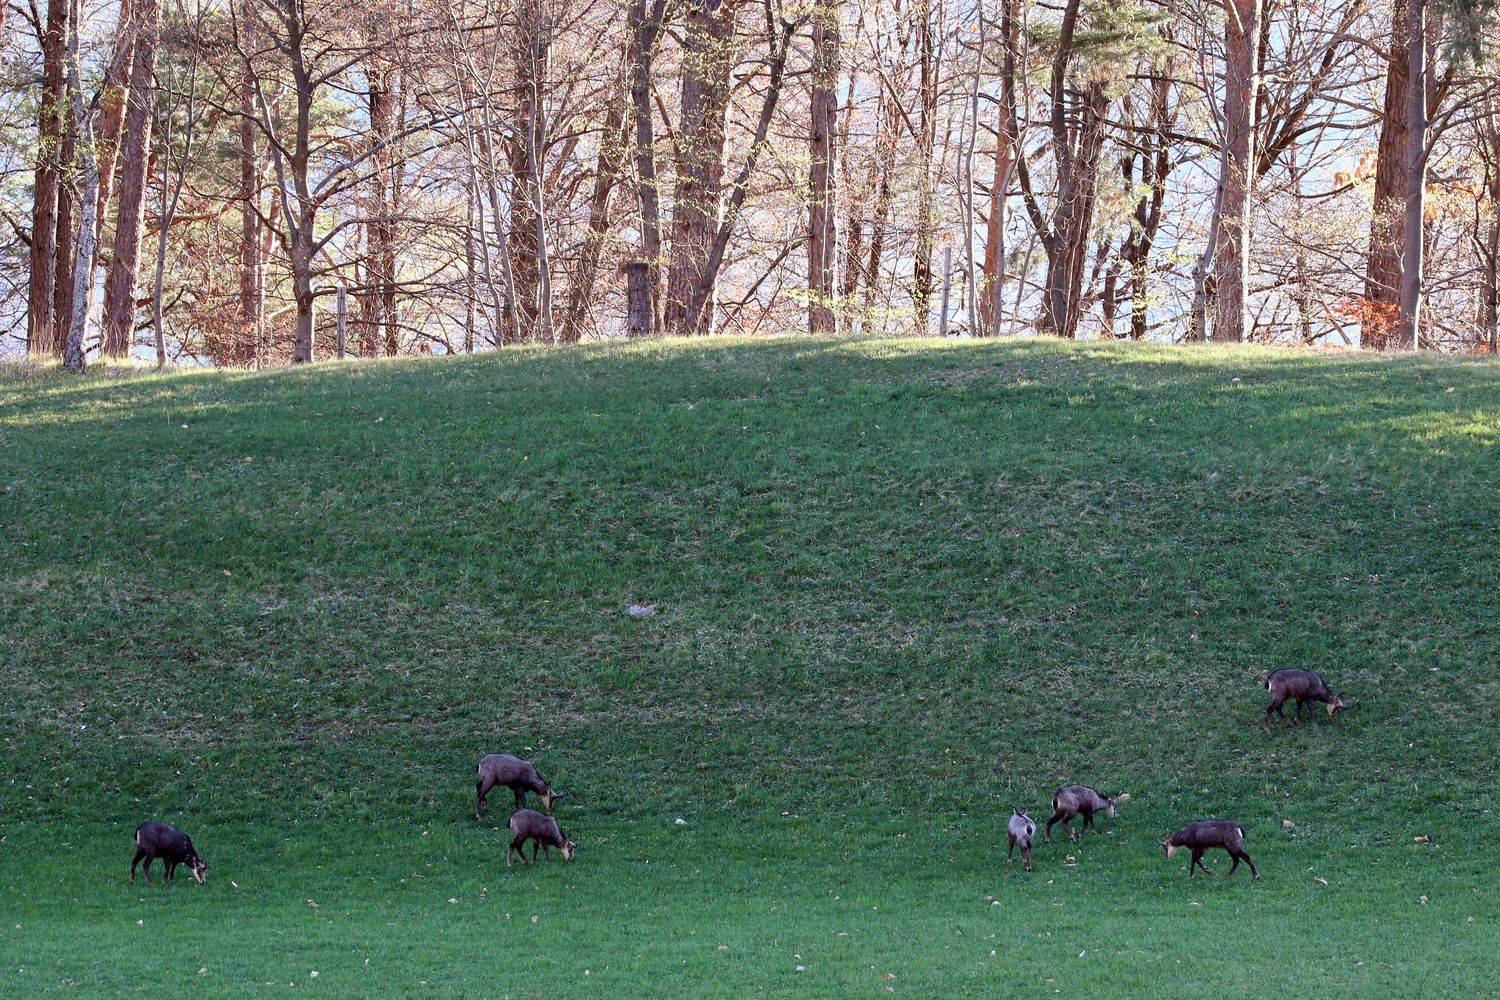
[(900, 587)]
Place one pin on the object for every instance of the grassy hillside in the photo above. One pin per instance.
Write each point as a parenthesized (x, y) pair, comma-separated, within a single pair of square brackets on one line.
[(900, 588)]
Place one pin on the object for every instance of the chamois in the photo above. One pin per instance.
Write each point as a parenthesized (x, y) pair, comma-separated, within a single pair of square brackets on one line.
[(1075, 800), (1022, 833), (1303, 687), (158, 840), (1205, 833), (542, 831), (516, 774)]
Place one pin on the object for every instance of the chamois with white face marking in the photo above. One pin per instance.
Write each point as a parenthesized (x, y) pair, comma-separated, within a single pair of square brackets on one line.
[(1079, 800), (1303, 687), (514, 773), (542, 831), (158, 840), (1022, 834), (1207, 833)]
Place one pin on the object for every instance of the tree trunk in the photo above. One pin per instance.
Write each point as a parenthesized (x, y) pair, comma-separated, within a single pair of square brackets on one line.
[(378, 223), (41, 326), (1409, 326), (112, 95), (993, 268), (612, 148), (1156, 163), (252, 267), (855, 196), (471, 271), (1076, 123), (699, 312), (62, 287), (708, 56), (887, 141), (119, 288), (1232, 259), (637, 299), (1068, 245), (528, 246), (83, 259), (538, 38), (302, 252), (926, 138), (1387, 235), (645, 25), (822, 223)]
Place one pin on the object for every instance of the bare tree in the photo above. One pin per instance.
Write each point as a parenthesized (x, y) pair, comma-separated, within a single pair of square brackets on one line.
[(1242, 31), (42, 327), (119, 287), (822, 205)]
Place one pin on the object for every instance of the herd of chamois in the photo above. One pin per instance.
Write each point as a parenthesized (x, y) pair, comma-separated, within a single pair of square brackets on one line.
[(174, 847)]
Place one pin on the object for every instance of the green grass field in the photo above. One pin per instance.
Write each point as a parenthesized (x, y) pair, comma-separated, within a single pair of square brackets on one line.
[(901, 586)]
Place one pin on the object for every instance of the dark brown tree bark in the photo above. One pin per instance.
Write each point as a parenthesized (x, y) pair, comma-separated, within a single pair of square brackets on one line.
[(67, 177), (993, 268), (927, 72), (822, 225), (882, 167), (613, 145), (534, 49), (1156, 163), (699, 307), (524, 247), (1068, 243), (708, 56), (119, 288), (1387, 237), (645, 25), (379, 223), (1076, 124), (41, 326), (112, 95), (1409, 320), (1242, 33), (252, 266)]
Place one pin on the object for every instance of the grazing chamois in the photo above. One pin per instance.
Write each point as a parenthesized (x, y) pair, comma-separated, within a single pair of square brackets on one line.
[(158, 840), (1022, 834), (1079, 800), (514, 773), (542, 831), (1206, 833), (1303, 687)]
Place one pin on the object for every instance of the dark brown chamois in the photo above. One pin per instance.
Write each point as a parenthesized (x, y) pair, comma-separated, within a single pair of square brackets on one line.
[(542, 831), (1303, 687), (158, 840), (1022, 834), (1205, 833), (514, 773), (1079, 800)]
